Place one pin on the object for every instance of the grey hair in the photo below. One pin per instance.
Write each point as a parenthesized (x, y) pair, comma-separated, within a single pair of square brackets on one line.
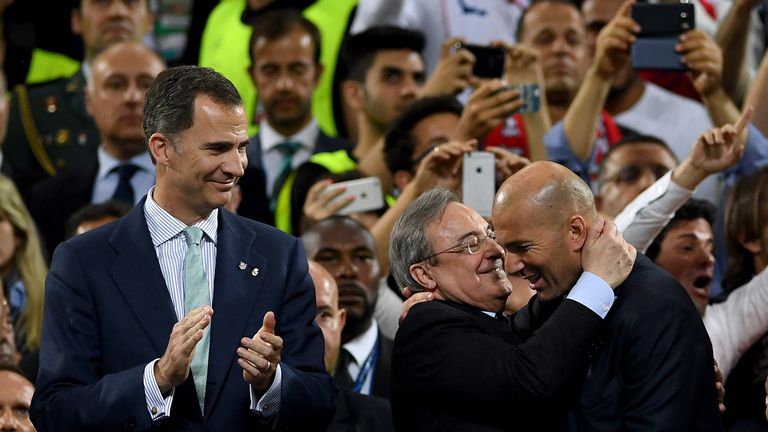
[(409, 244)]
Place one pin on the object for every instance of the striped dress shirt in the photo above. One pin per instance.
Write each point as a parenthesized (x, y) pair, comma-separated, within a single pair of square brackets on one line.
[(167, 234)]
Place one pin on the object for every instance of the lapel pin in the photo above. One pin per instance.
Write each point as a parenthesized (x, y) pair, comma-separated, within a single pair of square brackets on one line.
[(255, 271), (242, 265)]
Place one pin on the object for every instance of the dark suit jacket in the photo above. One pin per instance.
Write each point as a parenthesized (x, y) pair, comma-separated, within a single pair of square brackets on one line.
[(454, 368), (360, 413), (52, 201), (255, 204), (63, 134), (108, 314), (656, 372)]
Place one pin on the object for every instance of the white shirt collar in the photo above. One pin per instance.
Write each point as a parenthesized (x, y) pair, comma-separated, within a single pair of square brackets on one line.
[(163, 226), (361, 346), (107, 163), (270, 138)]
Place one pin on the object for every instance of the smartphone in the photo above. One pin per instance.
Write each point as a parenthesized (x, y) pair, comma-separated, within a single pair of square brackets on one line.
[(661, 26), (530, 93), (367, 192), (656, 53), (663, 20), (489, 61), (478, 181)]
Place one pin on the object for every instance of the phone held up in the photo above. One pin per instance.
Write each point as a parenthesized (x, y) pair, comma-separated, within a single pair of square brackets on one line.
[(478, 181), (489, 61), (367, 193), (661, 26)]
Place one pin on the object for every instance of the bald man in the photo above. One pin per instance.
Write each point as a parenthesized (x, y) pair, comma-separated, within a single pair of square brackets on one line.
[(354, 411), (656, 371), (123, 169)]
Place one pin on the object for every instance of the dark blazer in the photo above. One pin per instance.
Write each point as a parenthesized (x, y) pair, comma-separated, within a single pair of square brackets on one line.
[(49, 131), (108, 314), (52, 201), (255, 202), (455, 368), (656, 372), (360, 413)]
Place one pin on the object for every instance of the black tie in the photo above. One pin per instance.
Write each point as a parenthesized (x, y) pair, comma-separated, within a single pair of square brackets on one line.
[(124, 191), (342, 370)]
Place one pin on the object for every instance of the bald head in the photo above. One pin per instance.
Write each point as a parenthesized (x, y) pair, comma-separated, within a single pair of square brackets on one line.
[(542, 215), (329, 318), (547, 189)]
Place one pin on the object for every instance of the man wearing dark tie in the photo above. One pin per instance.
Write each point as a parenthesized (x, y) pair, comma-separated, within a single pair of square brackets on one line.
[(181, 315), (123, 170)]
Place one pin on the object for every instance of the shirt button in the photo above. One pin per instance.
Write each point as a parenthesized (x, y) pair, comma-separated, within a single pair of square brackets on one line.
[(154, 410), (606, 308)]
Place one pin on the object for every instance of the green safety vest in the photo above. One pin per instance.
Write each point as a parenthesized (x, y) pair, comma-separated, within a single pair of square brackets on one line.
[(336, 162), (48, 66), (224, 47)]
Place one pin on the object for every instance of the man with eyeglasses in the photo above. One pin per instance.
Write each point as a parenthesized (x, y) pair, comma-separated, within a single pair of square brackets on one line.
[(457, 363)]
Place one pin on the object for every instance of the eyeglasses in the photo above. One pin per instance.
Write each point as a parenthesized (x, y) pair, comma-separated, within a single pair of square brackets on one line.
[(633, 173), (472, 245)]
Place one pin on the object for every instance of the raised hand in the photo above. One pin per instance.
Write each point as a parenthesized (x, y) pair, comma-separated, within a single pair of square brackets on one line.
[(607, 254), (260, 356), (173, 367), (318, 205), (442, 166), (489, 105), (453, 72), (614, 41), (704, 59)]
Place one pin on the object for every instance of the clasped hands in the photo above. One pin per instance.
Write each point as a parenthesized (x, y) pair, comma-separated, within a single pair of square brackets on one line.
[(258, 356)]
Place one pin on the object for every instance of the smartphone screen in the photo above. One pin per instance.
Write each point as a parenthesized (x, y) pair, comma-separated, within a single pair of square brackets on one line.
[(489, 61)]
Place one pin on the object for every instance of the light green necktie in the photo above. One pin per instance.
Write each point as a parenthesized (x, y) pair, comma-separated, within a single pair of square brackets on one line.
[(196, 294)]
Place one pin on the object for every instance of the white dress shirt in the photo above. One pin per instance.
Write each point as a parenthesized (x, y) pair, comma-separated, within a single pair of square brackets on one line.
[(105, 184), (272, 157), (360, 348)]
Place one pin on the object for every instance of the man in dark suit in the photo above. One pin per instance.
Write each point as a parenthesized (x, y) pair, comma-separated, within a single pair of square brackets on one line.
[(347, 250), (457, 363), (285, 68), (122, 169), (131, 340), (354, 411), (656, 371), (49, 128)]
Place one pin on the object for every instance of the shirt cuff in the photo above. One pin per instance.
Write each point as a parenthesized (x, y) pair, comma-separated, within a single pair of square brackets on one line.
[(159, 408), (594, 293), (269, 403)]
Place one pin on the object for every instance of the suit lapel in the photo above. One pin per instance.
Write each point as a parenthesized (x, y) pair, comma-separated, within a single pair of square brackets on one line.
[(137, 274), (234, 296)]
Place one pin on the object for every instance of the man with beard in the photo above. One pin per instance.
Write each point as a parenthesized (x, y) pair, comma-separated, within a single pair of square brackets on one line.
[(347, 250), (123, 170), (285, 68)]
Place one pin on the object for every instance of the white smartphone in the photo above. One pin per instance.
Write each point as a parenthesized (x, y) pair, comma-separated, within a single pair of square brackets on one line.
[(367, 192), (478, 181)]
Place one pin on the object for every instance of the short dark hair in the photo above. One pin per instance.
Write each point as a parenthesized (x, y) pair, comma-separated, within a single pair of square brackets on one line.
[(278, 23), (521, 20), (169, 107), (399, 141), (91, 212), (361, 48), (693, 209), (633, 138)]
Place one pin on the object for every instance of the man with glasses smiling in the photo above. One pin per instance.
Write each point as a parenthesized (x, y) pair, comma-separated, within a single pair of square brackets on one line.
[(456, 363)]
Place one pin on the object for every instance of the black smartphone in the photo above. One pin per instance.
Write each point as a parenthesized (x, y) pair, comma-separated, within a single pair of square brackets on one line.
[(663, 20), (489, 61), (660, 27), (656, 53)]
